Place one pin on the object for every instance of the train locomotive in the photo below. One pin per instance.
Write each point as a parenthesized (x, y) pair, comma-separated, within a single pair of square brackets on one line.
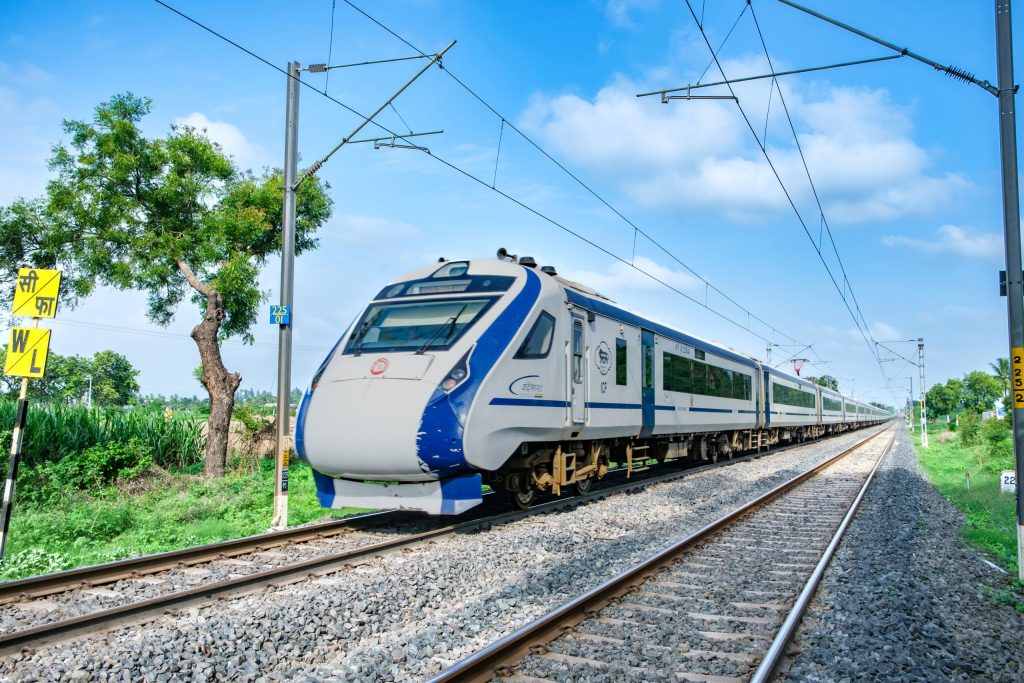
[(493, 372)]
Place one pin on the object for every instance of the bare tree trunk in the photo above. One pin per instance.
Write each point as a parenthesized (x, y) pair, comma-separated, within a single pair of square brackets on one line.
[(219, 383)]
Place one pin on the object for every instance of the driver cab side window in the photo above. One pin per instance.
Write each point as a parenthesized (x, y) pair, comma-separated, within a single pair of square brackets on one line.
[(538, 342)]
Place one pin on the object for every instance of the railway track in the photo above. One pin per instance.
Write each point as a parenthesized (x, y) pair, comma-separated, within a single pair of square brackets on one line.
[(718, 606), (142, 589)]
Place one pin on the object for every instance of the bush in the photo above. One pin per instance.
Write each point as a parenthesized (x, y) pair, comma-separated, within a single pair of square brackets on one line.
[(31, 562), (970, 429), (92, 469), (998, 441), (258, 435)]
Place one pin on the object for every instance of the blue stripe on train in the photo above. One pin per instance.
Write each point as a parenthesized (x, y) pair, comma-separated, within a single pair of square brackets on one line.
[(439, 444), (529, 402)]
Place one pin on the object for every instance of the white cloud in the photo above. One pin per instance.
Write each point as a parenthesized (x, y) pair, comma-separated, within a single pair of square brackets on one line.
[(967, 312), (618, 11), (682, 156), (395, 240), (25, 74), (954, 240), (228, 136), (358, 229), (884, 332), (30, 124), (621, 276)]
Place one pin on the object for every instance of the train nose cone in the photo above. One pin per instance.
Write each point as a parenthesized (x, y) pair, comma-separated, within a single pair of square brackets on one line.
[(366, 428)]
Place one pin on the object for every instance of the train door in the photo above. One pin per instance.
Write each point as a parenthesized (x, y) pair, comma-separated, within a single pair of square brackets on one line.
[(647, 381), (578, 373)]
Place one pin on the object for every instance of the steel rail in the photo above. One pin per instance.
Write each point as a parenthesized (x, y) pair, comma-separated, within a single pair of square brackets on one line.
[(109, 572), (770, 663), (146, 610), (87, 577), (134, 567), (495, 658)]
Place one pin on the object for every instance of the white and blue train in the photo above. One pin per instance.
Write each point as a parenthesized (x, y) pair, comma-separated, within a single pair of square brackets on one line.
[(474, 372)]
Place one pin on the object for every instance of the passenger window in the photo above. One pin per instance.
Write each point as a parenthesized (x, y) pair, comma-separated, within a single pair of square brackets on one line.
[(621, 359), (577, 351), (649, 367), (538, 342)]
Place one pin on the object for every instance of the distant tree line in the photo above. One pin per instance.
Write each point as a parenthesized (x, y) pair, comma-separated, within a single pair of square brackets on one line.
[(67, 380), (974, 393)]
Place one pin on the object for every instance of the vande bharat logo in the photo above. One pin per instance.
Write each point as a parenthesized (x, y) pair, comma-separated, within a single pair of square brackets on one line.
[(603, 358), (379, 366), (529, 385)]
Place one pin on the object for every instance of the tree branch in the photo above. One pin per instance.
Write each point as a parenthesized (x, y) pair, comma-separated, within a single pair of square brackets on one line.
[(190, 276)]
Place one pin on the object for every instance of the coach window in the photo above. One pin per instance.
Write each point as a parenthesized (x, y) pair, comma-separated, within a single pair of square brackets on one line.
[(621, 358), (538, 342), (648, 367), (577, 350)]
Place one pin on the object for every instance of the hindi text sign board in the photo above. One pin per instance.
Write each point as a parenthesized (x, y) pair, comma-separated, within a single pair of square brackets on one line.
[(35, 293), (26, 353)]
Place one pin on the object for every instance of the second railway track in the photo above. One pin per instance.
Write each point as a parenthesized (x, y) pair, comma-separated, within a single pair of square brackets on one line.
[(718, 606), (103, 608)]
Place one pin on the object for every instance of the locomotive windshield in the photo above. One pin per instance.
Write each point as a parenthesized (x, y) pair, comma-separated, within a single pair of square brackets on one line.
[(420, 326)]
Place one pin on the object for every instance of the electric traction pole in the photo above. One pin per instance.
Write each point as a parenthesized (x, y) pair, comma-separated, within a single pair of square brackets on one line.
[(284, 354), (283, 313), (924, 406), (1011, 229)]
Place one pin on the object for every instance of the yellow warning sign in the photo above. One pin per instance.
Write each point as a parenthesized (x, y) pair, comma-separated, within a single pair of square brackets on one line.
[(35, 293), (1017, 375), (26, 354)]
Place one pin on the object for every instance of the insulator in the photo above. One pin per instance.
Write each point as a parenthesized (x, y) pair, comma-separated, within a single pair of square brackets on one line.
[(959, 74)]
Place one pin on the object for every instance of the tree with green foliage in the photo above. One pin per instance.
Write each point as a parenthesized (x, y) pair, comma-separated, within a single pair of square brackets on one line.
[(945, 399), (827, 381), (171, 216), (1001, 371), (113, 379), (980, 391)]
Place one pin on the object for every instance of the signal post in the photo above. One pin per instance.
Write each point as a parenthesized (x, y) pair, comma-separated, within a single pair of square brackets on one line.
[(35, 294)]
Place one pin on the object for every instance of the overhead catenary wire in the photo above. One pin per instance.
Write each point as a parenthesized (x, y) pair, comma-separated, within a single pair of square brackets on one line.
[(725, 40), (509, 197), (865, 333), (807, 170), (330, 46), (121, 329), (578, 180)]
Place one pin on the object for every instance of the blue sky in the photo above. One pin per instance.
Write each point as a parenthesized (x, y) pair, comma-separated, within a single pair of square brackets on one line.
[(904, 160)]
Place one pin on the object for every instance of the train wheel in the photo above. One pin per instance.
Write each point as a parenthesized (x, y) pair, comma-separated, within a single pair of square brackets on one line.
[(522, 499), (583, 486)]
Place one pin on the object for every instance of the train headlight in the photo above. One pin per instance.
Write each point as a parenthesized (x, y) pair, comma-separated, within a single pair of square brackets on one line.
[(458, 374)]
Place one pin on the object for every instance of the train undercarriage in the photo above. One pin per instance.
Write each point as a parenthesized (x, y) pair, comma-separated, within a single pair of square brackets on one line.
[(553, 467)]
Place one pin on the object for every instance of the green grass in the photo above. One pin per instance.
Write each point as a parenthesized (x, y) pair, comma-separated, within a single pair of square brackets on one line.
[(990, 522), (54, 431), (162, 511)]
